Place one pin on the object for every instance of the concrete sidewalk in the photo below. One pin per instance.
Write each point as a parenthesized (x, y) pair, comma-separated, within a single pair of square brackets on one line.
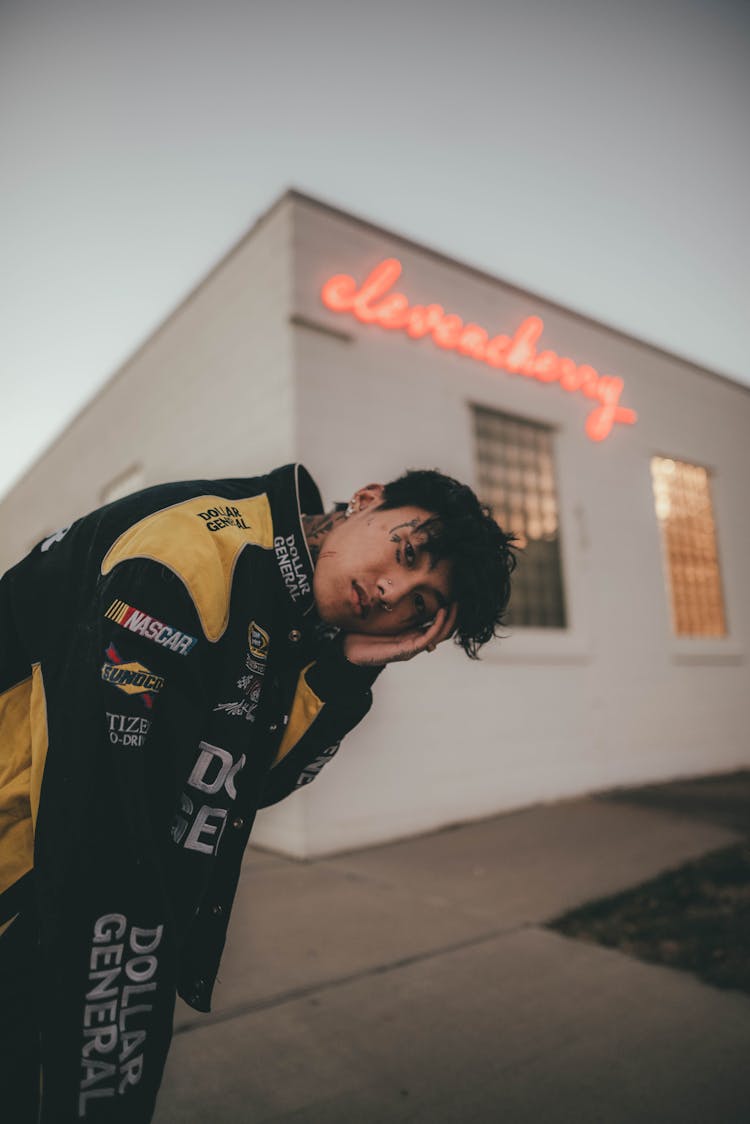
[(416, 982)]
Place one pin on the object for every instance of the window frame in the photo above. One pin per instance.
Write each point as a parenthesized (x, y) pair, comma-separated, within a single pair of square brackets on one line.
[(696, 650), (543, 646)]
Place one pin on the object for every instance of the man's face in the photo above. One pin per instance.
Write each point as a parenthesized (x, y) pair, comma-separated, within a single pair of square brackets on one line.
[(373, 574)]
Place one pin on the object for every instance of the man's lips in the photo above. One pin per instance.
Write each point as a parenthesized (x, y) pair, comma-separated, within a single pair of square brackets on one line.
[(361, 600)]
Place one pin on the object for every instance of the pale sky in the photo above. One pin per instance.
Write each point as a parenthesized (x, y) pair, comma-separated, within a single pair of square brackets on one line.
[(592, 151)]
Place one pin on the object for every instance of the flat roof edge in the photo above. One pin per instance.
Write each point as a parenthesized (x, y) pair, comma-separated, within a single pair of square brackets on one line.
[(295, 194)]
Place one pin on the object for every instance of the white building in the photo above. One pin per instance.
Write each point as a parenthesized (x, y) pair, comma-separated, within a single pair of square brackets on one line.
[(626, 663)]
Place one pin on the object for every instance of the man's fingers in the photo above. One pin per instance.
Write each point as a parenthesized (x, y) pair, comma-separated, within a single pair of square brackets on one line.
[(379, 650), (440, 629), (448, 624), (431, 634)]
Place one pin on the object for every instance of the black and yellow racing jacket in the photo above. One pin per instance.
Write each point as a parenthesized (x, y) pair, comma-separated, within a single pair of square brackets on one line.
[(161, 678)]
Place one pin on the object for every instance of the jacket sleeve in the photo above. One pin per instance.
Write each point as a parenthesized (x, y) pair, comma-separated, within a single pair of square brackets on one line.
[(332, 697), (113, 932)]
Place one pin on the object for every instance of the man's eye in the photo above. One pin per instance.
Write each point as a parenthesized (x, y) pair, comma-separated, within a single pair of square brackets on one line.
[(409, 553)]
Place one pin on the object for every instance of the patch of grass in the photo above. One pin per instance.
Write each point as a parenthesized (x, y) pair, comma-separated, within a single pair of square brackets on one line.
[(696, 918)]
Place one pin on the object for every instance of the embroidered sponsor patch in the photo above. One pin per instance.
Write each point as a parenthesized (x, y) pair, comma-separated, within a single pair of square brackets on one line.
[(311, 771), (250, 686), (55, 537), (291, 566), (132, 677), (216, 518), (247, 704), (127, 729), (141, 623), (257, 641), (117, 1017), (198, 826), (244, 707)]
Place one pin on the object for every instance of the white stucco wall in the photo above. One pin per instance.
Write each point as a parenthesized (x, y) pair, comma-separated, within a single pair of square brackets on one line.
[(252, 371), (615, 699)]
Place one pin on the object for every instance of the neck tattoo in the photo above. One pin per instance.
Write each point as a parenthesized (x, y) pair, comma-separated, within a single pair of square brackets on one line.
[(317, 527)]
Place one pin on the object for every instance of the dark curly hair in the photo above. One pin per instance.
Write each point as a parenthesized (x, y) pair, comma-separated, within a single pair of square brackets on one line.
[(463, 531)]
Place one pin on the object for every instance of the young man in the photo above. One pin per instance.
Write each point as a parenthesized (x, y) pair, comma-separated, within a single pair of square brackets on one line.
[(170, 664)]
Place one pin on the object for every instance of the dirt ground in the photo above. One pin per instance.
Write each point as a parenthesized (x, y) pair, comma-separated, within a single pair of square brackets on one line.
[(697, 917)]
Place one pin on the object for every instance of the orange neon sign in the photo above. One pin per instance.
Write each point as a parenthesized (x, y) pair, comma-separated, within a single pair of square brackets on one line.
[(373, 303)]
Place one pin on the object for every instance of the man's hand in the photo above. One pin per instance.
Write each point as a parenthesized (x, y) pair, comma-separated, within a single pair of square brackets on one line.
[(375, 651)]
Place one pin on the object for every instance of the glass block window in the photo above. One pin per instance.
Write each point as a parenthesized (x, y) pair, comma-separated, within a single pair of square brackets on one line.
[(516, 476), (683, 509)]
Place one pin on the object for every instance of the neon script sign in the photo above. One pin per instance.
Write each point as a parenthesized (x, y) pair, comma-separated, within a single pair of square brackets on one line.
[(373, 303)]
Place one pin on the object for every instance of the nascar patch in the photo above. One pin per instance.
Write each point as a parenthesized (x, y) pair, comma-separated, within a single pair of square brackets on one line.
[(144, 625)]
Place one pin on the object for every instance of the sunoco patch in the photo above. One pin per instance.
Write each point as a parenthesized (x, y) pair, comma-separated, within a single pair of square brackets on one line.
[(131, 677)]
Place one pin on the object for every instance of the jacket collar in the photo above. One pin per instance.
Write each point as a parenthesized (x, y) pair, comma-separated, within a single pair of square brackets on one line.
[(293, 491)]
